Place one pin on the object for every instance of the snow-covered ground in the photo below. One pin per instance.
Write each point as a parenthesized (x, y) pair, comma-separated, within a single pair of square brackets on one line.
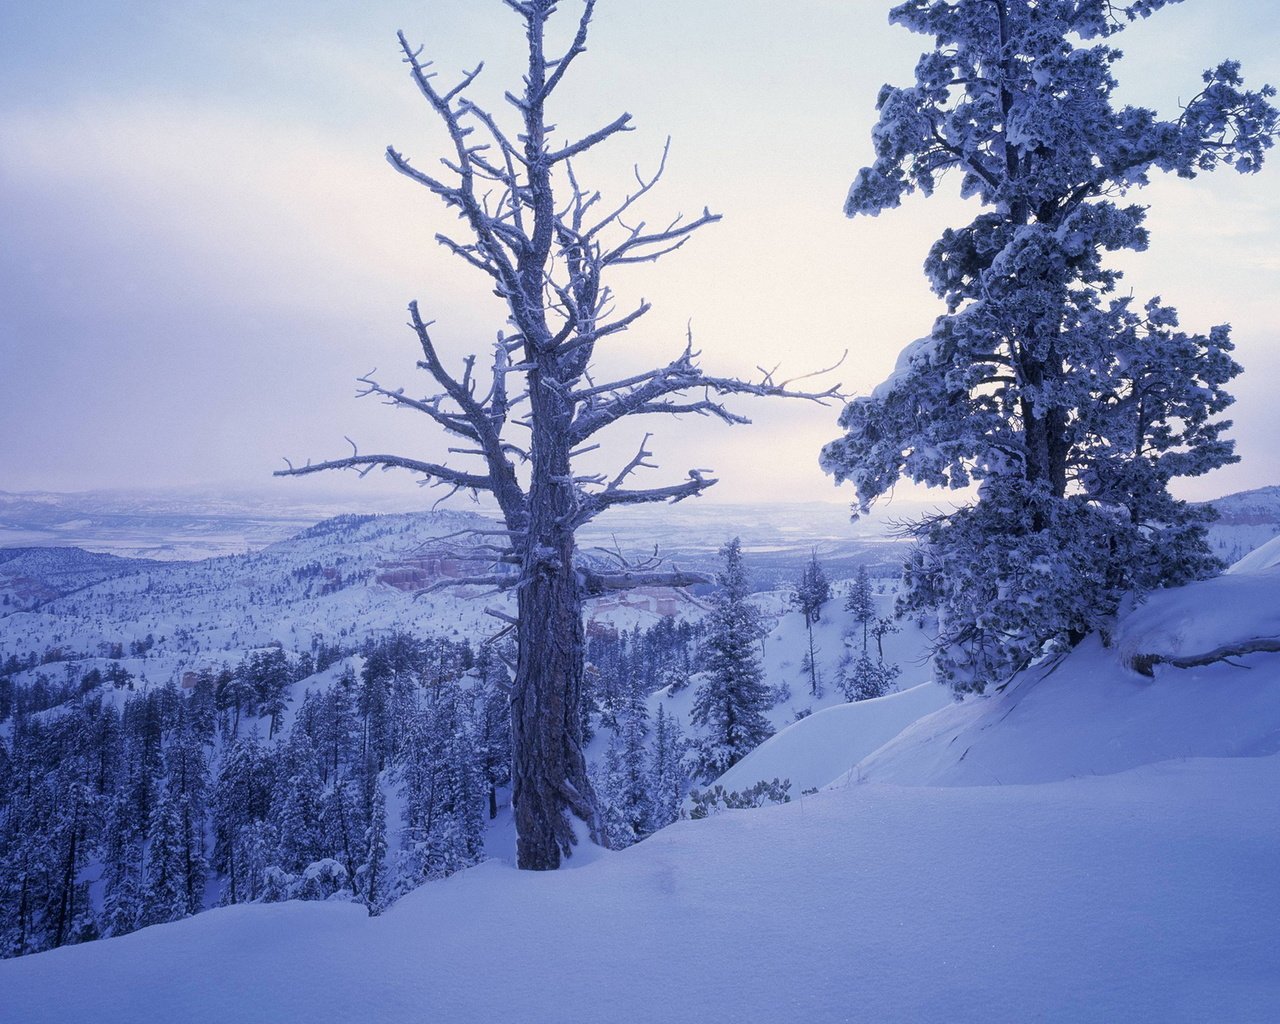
[(1089, 844), (824, 746)]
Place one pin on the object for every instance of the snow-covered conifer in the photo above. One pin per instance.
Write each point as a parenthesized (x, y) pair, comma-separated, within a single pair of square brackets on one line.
[(730, 705), (372, 873), (861, 602), (812, 592), (1072, 407), (165, 879), (668, 777)]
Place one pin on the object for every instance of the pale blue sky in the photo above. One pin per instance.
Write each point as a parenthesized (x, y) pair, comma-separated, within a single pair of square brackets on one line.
[(203, 246)]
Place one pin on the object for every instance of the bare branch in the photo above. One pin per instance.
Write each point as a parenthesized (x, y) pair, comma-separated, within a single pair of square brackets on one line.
[(621, 123), (593, 584), (602, 406), (503, 616), (637, 462), (591, 505), (1146, 663), (579, 45), (498, 582), (365, 463), (451, 422), (658, 243)]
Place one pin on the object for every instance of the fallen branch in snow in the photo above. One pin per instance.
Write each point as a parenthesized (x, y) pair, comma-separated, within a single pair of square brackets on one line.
[(1146, 663)]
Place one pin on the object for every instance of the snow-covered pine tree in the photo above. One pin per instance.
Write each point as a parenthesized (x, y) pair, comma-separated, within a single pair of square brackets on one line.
[(861, 603), (667, 774), (297, 804), (241, 796), (731, 702), (493, 725), (188, 782), (121, 856), (1072, 408), (335, 730), (547, 247), (624, 779), (165, 878), (812, 592), (342, 828), (443, 792), (371, 878)]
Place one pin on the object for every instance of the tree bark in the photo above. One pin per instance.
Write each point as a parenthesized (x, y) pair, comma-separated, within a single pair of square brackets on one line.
[(549, 771)]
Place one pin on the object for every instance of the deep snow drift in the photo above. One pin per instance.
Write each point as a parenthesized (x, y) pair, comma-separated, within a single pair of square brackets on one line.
[(1089, 844)]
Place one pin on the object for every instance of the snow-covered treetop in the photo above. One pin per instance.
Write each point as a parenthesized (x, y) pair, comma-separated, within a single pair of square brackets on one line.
[(1023, 111)]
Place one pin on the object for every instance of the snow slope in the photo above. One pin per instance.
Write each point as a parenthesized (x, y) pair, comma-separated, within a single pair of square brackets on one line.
[(1144, 896), (1088, 845), (1265, 557), (1091, 714), (820, 748)]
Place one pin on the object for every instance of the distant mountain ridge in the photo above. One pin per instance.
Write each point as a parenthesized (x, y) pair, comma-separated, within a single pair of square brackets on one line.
[(1246, 520), (188, 526)]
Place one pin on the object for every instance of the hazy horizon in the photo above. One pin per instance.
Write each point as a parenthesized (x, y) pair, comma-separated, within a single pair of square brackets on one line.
[(206, 247)]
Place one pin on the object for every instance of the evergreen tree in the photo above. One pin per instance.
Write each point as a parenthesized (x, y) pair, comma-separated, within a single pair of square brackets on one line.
[(69, 839), (444, 793), (122, 897), (667, 775), (861, 602), (1071, 408), (297, 805), (24, 870), (202, 708), (375, 707), (257, 848), (812, 592), (624, 786), (373, 870), (493, 732), (342, 828), (730, 704), (241, 797), (188, 783), (165, 879), (335, 730)]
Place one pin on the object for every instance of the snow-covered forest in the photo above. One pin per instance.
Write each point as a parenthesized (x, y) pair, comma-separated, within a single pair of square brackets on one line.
[(1001, 747)]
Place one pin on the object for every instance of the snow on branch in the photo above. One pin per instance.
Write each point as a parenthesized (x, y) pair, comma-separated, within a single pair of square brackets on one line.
[(365, 464), (603, 405), (597, 584), (1145, 663)]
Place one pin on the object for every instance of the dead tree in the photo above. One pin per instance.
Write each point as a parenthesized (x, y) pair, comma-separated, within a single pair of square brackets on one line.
[(546, 244)]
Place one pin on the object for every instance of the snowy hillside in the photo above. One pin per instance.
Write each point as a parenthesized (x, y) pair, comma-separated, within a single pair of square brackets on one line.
[(1094, 713), (1245, 521), (190, 525), (344, 579), (1089, 844), (32, 576), (1142, 895)]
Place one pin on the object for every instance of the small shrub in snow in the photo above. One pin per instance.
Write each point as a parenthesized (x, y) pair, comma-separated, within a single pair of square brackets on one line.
[(717, 798)]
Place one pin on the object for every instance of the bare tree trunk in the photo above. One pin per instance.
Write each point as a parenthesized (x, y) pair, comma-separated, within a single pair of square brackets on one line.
[(549, 771), (813, 662), (547, 257)]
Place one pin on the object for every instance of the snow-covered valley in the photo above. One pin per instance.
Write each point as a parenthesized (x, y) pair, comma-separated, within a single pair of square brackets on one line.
[(1088, 843)]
